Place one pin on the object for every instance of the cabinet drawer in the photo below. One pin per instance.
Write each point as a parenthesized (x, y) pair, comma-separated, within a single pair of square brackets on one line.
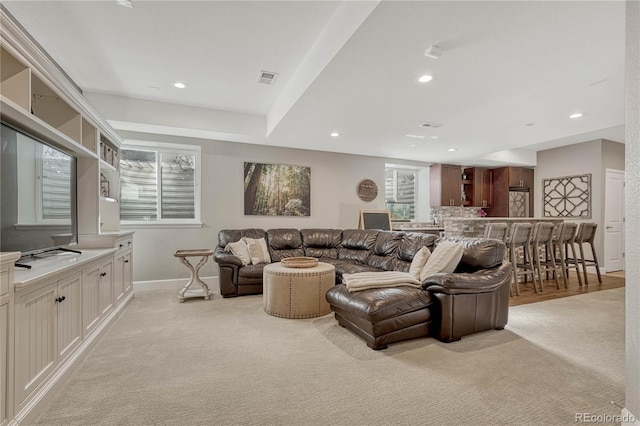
[(125, 243)]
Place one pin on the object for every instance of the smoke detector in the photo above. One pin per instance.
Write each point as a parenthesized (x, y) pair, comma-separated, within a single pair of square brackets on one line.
[(267, 77), (432, 125), (433, 52)]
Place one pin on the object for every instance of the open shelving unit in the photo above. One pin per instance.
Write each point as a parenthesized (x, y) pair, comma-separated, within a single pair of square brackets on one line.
[(37, 97)]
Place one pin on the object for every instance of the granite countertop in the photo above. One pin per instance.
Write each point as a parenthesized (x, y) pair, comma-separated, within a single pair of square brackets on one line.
[(494, 219), (419, 228)]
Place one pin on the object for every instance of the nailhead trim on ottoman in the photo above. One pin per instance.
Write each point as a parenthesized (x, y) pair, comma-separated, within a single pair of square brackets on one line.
[(297, 293)]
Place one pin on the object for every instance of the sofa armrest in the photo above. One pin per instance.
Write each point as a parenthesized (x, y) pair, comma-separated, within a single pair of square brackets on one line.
[(226, 258), (482, 281)]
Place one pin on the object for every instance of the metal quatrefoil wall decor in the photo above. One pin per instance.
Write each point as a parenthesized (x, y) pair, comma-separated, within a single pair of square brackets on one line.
[(568, 196)]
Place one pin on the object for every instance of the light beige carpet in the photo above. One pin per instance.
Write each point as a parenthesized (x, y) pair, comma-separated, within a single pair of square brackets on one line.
[(226, 362)]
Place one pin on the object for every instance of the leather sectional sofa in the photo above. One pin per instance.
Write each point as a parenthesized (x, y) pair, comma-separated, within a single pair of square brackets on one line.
[(474, 298)]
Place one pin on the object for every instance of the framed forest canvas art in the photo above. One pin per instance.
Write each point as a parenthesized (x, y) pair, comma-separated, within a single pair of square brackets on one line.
[(277, 190)]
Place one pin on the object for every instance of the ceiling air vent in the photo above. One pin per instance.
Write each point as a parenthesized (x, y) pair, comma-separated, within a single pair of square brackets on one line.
[(267, 77), (427, 124)]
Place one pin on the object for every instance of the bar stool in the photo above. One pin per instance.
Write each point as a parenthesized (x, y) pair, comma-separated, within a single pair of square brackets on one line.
[(565, 239), (521, 237), (497, 231), (543, 238), (585, 235)]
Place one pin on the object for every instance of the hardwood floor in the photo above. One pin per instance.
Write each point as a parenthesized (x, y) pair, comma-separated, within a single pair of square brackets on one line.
[(528, 295)]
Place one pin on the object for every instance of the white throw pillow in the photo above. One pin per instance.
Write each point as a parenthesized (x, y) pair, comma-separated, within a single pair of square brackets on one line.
[(444, 258), (418, 262), (258, 250), (240, 250)]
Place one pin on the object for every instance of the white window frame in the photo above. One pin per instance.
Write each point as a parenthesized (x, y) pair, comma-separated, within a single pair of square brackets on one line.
[(416, 185), (171, 148)]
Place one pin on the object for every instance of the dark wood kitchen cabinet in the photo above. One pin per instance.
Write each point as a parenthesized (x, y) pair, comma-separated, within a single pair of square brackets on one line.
[(506, 178), (445, 185), (520, 177), (478, 186)]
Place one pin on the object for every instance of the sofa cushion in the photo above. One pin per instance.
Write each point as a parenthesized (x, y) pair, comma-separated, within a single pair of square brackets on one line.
[(375, 305), (412, 242), (227, 236), (445, 258), (283, 243), (478, 253), (252, 271), (356, 244), (258, 250), (240, 250), (383, 252), (321, 242), (352, 268)]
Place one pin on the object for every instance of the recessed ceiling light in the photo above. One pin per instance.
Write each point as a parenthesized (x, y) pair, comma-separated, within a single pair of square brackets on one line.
[(576, 115), (335, 134), (179, 85), (451, 149), (435, 137), (425, 78), (413, 145), (126, 3), (415, 136)]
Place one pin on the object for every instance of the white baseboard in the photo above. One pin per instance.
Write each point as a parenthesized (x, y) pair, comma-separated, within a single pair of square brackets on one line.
[(628, 419), (176, 284)]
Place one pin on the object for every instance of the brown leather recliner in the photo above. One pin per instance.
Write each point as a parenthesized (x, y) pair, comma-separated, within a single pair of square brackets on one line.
[(476, 296)]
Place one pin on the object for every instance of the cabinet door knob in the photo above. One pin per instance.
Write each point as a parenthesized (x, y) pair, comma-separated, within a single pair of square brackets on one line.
[(121, 245), (58, 300), (103, 274), (126, 261)]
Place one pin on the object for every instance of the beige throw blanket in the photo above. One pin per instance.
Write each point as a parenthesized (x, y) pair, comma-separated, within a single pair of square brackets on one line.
[(364, 280)]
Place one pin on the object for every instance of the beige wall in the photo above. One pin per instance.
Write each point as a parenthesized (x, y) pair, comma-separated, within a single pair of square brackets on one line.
[(334, 202), (592, 157)]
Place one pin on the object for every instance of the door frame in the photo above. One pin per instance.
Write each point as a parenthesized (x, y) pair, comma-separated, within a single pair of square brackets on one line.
[(606, 216)]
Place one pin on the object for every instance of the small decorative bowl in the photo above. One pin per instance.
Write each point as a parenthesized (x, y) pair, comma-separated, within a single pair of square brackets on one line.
[(300, 262)]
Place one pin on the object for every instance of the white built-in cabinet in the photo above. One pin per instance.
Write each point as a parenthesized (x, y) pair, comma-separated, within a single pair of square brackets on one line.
[(60, 307), (51, 315), (36, 332), (122, 279), (6, 336)]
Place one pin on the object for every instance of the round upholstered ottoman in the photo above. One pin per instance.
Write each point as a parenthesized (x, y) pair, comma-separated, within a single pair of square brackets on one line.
[(297, 292)]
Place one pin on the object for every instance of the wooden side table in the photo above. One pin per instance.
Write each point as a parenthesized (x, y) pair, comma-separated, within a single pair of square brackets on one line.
[(183, 255)]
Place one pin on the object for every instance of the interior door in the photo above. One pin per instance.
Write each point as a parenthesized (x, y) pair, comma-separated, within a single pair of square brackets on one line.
[(614, 220)]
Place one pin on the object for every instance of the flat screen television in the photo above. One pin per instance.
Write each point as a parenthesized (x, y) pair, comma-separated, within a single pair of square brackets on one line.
[(37, 194)]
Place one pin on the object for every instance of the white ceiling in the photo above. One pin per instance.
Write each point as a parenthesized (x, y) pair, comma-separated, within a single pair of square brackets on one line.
[(349, 67)]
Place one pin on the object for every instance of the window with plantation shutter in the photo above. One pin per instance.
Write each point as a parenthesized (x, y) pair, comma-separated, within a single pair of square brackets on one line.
[(56, 194), (159, 183), (400, 192)]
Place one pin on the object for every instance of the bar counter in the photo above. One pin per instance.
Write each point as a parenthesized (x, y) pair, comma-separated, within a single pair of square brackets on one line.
[(474, 226)]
